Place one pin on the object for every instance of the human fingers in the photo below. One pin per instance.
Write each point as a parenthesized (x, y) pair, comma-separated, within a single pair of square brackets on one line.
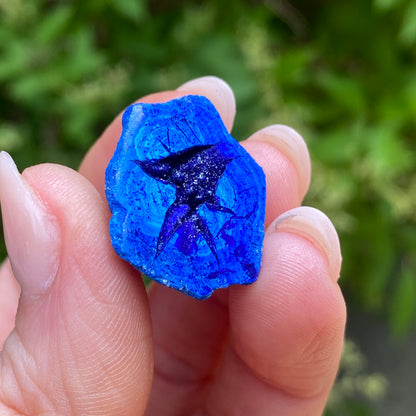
[(191, 336), (216, 90), (82, 342), (9, 296), (284, 157), (286, 331)]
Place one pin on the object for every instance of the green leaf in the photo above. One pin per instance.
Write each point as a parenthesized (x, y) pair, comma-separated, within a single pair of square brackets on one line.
[(345, 92), (132, 9), (408, 30), (53, 24), (386, 4), (83, 59), (11, 137), (339, 145), (294, 66), (388, 154), (15, 60), (37, 85)]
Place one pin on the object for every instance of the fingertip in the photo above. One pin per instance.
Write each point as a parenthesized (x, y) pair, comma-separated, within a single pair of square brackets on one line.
[(9, 297), (218, 92), (317, 228), (291, 144), (295, 309), (31, 230)]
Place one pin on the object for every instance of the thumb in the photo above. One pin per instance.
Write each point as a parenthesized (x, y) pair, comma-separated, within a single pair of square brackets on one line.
[(82, 341)]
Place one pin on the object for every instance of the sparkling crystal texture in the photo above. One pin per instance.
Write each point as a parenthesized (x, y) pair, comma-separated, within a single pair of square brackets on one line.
[(187, 200)]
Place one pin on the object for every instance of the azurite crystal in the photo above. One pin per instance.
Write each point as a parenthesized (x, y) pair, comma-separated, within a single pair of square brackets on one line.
[(187, 200)]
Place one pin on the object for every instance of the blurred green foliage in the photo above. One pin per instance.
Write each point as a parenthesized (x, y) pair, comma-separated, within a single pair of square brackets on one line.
[(355, 389), (341, 72)]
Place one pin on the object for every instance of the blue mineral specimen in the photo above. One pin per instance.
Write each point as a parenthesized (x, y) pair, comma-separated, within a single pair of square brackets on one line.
[(187, 200)]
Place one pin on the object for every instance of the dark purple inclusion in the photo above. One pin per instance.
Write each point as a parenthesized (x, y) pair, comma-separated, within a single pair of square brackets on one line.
[(187, 201), (195, 173)]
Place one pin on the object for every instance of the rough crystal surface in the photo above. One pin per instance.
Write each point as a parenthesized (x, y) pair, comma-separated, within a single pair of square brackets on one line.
[(187, 200)]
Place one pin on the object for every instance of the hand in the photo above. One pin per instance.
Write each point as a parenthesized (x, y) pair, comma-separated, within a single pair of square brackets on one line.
[(89, 340)]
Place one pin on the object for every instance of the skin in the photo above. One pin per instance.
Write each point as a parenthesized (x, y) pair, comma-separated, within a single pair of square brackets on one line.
[(97, 343)]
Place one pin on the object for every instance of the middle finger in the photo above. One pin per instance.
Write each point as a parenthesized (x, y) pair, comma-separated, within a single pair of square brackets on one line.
[(190, 335)]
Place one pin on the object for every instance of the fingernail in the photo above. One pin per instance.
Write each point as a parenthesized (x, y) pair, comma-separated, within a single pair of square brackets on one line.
[(218, 92), (291, 144), (315, 226), (30, 231)]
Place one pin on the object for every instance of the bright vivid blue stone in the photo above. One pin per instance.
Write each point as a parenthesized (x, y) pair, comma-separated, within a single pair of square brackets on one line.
[(187, 200)]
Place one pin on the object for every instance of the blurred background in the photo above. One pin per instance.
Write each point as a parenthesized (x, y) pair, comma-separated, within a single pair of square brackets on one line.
[(342, 72)]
